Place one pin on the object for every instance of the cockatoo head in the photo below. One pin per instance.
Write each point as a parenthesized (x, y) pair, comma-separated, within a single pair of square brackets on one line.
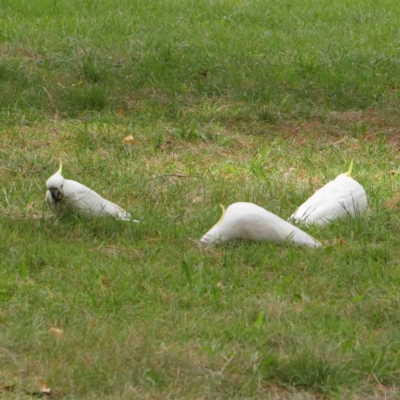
[(55, 185), (215, 233)]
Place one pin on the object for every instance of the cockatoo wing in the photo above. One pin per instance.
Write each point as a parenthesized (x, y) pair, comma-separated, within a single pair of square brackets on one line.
[(87, 202), (249, 221), (336, 199)]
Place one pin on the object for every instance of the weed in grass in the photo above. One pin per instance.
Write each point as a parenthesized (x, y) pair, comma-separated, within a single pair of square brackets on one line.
[(93, 70)]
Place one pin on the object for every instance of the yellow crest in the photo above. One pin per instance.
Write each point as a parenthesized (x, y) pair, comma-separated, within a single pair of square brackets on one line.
[(60, 169), (348, 173), (222, 216)]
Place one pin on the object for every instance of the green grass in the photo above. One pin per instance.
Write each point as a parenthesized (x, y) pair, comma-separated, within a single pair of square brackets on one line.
[(228, 101), (290, 58)]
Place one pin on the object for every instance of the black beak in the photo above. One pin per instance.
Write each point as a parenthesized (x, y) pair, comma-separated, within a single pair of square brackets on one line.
[(56, 194)]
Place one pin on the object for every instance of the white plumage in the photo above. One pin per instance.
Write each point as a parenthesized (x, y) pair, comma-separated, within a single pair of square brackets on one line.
[(249, 221), (65, 195), (338, 198)]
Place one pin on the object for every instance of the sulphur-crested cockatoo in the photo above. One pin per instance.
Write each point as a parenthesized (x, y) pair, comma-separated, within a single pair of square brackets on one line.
[(338, 198), (66, 195), (249, 221)]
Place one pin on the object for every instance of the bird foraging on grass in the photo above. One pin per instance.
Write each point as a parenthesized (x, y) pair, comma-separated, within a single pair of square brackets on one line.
[(338, 198), (64, 195), (249, 221)]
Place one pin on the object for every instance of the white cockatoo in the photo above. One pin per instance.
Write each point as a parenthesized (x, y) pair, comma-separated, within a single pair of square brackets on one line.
[(338, 198), (66, 195), (249, 221)]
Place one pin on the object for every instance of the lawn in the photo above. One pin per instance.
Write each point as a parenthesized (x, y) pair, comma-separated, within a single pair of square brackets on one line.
[(227, 101)]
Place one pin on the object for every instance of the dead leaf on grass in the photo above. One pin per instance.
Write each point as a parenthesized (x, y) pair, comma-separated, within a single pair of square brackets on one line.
[(220, 285), (7, 388), (44, 389), (56, 332), (129, 140)]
